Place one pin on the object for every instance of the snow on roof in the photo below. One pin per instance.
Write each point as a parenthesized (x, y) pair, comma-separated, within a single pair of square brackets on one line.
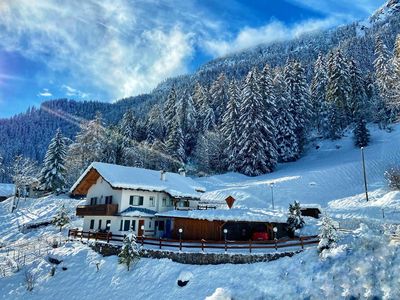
[(234, 214), (124, 177), (7, 189), (138, 212)]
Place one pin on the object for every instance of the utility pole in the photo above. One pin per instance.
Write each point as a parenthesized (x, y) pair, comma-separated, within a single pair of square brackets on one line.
[(272, 194), (364, 172)]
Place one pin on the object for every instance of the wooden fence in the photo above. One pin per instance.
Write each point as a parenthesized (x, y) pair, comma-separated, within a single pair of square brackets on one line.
[(226, 245)]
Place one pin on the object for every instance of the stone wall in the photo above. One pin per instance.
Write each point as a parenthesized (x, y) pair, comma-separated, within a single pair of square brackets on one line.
[(197, 258)]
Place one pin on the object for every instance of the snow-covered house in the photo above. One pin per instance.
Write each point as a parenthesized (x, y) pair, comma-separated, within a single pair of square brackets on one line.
[(6, 191), (120, 198)]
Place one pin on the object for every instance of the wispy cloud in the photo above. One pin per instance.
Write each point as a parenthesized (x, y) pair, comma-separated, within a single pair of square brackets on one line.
[(72, 92), (122, 46), (45, 93), (271, 32)]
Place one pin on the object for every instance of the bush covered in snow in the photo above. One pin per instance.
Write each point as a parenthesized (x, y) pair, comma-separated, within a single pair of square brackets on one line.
[(295, 219), (130, 251), (62, 218), (393, 177), (328, 234)]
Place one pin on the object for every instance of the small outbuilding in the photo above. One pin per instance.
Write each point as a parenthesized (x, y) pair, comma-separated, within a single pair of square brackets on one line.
[(237, 224)]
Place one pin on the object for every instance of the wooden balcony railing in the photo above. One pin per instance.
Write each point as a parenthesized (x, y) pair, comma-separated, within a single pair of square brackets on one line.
[(97, 210)]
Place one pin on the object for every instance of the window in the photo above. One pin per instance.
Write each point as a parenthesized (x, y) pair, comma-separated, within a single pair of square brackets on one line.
[(91, 224), (164, 201), (93, 201), (109, 199), (151, 201), (108, 224), (170, 202), (149, 224), (126, 225), (120, 225), (161, 225), (136, 200), (99, 224), (133, 225)]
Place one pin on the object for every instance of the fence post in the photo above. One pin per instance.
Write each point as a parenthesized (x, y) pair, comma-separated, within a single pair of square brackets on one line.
[(81, 235), (142, 240), (88, 236), (180, 244), (276, 244), (108, 237), (301, 241), (250, 242), (226, 247), (75, 233), (96, 236), (202, 244), (160, 242), (69, 232)]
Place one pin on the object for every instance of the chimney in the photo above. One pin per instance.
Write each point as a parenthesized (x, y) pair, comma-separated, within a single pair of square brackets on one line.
[(182, 172), (162, 175)]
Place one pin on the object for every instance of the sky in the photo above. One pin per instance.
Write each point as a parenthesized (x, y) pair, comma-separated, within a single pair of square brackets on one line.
[(110, 49)]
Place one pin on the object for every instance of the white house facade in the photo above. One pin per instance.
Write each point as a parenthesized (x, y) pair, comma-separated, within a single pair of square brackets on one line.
[(119, 199)]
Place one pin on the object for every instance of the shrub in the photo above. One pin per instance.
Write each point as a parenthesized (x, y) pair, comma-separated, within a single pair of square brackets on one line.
[(393, 177)]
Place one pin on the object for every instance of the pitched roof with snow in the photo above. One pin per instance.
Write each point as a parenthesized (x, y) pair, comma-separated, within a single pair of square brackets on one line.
[(138, 212), (7, 189), (123, 177), (233, 215)]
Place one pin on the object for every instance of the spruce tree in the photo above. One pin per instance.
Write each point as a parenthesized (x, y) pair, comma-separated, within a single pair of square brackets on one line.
[(318, 93), (286, 139), (128, 127), (219, 97), (61, 218), (256, 140), (130, 251), (52, 176), (175, 144), (396, 63), (358, 96), (361, 133), (295, 219), (385, 76), (230, 126), (299, 107), (328, 234), (170, 108)]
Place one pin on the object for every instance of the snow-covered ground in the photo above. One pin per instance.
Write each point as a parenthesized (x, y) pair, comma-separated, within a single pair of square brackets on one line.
[(364, 265)]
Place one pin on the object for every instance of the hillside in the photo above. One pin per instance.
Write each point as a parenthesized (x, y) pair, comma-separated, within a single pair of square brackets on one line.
[(364, 264)]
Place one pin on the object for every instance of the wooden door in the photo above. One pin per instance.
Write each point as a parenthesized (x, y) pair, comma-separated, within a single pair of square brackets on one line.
[(140, 231)]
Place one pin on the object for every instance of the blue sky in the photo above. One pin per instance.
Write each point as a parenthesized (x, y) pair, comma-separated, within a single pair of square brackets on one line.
[(109, 49)]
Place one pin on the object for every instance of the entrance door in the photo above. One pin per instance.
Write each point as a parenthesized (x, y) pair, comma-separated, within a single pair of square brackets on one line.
[(140, 230), (168, 228)]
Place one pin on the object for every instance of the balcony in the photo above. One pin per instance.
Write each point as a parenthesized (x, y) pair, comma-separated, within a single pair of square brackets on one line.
[(97, 210)]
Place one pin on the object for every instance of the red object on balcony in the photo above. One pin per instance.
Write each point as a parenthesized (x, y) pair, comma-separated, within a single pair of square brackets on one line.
[(260, 236)]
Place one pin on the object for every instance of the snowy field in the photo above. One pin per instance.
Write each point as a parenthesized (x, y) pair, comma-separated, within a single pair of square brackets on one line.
[(365, 264)]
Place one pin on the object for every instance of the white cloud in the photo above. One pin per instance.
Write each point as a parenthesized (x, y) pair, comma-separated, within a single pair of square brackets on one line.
[(272, 32), (45, 93), (72, 92), (121, 46)]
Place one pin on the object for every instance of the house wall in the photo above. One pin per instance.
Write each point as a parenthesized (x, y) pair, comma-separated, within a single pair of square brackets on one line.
[(150, 228), (102, 189)]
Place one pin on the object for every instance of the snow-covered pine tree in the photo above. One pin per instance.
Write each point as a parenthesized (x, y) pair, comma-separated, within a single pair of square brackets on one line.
[(24, 173), (201, 101), (318, 93), (396, 64), (210, 154), (61, 218), (186, 113), (361, 133), (385, 75), (256, 141), (87, 148), (175, 144), (209, 119), (295, 219), (358, 96), (128, 128), (130, 251), (338, 89), (52, 176), (286, 139), (155, 124), (332, 122), (170, 108), (230, 126), (219, 97), (328, 234), (300, 107)]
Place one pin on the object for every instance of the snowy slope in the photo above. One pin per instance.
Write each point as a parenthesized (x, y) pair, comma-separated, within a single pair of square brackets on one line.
[(365, 264), (330, 177)]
